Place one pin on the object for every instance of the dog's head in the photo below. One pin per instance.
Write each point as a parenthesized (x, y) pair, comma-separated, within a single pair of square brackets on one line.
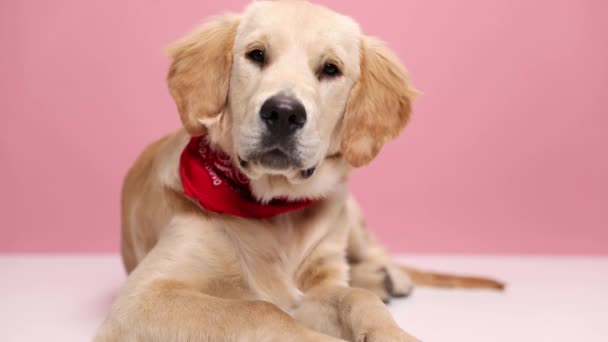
[(290, 90)]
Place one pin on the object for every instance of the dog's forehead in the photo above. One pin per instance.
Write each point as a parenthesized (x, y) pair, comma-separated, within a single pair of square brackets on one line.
[(298, 20)]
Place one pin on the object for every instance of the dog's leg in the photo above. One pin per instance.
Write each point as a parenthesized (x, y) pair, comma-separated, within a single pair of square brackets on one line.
[(371, 267), (174, 311), (167, 296), (332, 307), (360, 313)]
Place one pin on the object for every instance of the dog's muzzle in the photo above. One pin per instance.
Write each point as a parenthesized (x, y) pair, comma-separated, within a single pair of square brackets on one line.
[(282, 117)]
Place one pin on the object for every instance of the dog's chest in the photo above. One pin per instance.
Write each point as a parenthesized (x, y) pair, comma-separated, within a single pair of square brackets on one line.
[(272, 255)]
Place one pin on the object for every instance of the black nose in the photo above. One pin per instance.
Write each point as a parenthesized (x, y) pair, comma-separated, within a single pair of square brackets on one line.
[(283, 115)]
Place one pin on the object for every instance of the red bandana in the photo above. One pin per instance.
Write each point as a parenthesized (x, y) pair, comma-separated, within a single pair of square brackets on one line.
[(210, 178)]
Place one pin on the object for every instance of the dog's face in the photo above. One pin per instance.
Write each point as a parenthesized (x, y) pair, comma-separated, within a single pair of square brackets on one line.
[(287, 86), (293, 68)]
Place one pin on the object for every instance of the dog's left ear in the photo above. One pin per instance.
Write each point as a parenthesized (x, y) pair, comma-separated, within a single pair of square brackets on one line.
[(200, 72), (379, 105)]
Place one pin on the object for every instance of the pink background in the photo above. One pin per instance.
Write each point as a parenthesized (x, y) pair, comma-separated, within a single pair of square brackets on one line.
[(507, 151)]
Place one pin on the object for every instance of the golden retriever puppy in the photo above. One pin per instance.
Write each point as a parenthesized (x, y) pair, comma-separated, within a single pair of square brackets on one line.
[(240, 226)]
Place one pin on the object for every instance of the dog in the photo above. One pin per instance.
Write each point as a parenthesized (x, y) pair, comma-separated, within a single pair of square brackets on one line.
[(239, 226)]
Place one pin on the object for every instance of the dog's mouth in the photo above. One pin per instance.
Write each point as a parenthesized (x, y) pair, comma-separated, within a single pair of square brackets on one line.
[(276, 160)]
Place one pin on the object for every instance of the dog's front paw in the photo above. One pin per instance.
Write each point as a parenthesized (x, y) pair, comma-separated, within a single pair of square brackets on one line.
[(385, 279), (387, 335)]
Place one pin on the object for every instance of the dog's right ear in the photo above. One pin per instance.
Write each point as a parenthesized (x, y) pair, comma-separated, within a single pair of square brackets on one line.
[(199, 75)]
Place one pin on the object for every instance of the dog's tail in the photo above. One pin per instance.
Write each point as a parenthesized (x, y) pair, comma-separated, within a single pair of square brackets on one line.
[(434, 279)]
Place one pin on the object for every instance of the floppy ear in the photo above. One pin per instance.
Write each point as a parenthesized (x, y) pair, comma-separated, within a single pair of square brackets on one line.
[(200, 72), (379, 105)]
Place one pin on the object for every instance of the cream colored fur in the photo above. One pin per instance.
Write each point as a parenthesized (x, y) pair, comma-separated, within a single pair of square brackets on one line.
[(309, 275)]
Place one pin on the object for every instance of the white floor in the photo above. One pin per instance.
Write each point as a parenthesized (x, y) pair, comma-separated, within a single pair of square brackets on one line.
[(64, 298)]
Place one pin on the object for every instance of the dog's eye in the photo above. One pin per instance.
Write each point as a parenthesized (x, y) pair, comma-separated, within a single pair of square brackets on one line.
[(330, 70), (257, 56)]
